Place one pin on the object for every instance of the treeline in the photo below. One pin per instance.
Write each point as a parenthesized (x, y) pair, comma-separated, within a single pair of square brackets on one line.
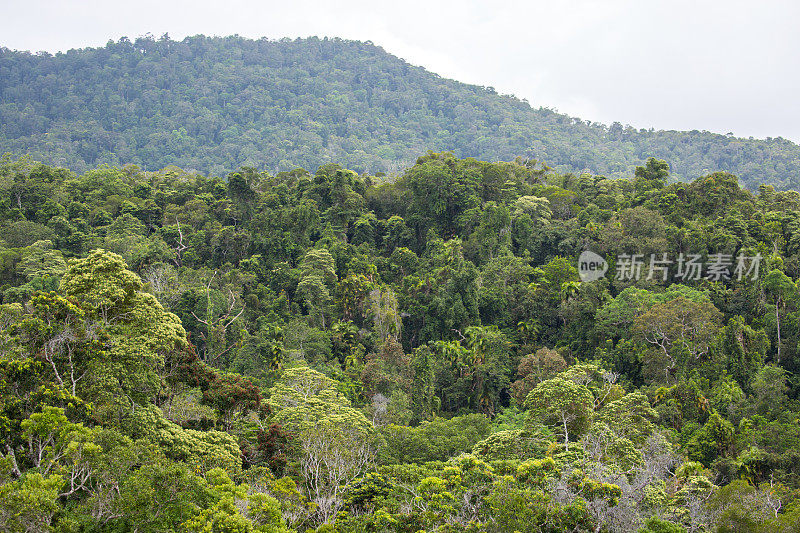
[(345, 352), (203, 103)]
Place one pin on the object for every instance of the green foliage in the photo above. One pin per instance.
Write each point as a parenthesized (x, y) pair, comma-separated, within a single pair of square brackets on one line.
[(303, 397), (303, 89), (631, 417), (435, 440), (200, 450), (404, 354), (562, 404), (513, 444), (29, 504), (657, 525), (100, 283), (714, 439), (225, 517)]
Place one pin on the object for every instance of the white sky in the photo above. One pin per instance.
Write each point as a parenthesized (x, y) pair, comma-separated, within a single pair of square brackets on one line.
[(723, 66)]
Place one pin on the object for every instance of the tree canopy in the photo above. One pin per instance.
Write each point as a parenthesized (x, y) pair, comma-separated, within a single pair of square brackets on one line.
[(335, 351), (215, 103)]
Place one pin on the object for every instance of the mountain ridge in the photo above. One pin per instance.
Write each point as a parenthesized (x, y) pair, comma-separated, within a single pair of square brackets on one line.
[(215, 103)]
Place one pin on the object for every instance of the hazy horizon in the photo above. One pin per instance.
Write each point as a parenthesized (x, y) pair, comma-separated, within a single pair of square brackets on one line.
[(725, 68)]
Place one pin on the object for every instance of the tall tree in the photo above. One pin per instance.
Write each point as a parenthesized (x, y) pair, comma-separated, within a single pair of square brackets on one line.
[(562, 403)]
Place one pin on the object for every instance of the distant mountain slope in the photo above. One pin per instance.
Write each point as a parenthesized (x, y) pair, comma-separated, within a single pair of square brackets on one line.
[(213, 104)]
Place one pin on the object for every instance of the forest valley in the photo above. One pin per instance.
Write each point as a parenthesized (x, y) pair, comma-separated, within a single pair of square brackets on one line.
[(363, 353)]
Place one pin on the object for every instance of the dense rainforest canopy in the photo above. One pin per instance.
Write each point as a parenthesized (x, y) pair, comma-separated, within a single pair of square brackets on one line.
[(211, 104), (336, 351)]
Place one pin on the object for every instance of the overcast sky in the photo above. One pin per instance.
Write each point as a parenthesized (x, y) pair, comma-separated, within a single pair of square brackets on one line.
[(723, 66)]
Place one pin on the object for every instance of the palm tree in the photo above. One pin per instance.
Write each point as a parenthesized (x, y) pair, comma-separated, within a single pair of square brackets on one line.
[(528, 329), (569, 290)]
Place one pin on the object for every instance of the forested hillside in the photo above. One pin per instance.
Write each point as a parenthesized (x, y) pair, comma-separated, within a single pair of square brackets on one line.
[(213, 104), (326, 351)]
